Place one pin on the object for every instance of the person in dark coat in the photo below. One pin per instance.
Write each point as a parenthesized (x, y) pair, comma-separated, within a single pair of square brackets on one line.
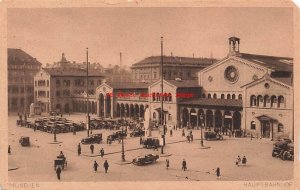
[(58, 172), (167, 163), (183, 134), (102, 152), (141, 140), (92, 148), (9, 149), (218, 172), (191, 137), (79, 149), (105, 165), (184, 165), (244, 160), (171, 133), (96, 165)]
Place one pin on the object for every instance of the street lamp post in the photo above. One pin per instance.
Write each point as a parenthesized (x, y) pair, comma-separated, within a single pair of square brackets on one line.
[(87, 92), (123, 152), (55, 140), (162, 97)]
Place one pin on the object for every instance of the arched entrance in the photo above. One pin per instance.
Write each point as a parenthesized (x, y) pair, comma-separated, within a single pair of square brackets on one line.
[(227, 120), (142, 111), (131, 110), (209, 118), (101, 105), (67, 109), (218, 119), (58, 107), (236, 120), (127, 110), (193, 118), (201, 118), (118, 110), (122, 110), (136, 111), (185, 117)]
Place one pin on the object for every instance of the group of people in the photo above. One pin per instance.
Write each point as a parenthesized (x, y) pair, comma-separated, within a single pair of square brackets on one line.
[(239, 161), (189, 137), (105, 166)]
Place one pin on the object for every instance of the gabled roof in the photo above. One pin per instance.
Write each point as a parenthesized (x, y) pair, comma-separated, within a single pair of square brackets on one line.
[(264, 78), (213, 102), (72, 72), (174, 60), (271, 62), (18, 56), (184, 83)]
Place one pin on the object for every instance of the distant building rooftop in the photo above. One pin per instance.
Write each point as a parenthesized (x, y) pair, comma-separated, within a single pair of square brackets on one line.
[(72, 72), (18, 56)]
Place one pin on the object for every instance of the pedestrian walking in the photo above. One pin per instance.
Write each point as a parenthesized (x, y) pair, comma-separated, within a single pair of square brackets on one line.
[(183, 134), (188, 138), (9, 149), (218, 172), (58, 172), (171, 133), (92, 148), (251, 136), (173, 127), (96, 165), (79, 149), (102, 152), (244, 160), (105, 165), (238, 160), (184, 165), (167, 163), (141, 140), (191, 137)]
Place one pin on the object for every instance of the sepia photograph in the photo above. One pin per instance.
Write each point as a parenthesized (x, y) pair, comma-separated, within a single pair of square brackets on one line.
[(141, 94)]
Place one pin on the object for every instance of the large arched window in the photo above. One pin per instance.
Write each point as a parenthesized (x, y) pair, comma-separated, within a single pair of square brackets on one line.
[(260, 100), (203, 95), (266, 101), (228, 96), (253, 100), (280, 127), (157, 97), (273, 101), (253, 125), (170, 97), (153, 96), (215, 96), (154, 115), (209, 96), (280, 101), (222, 96), (233, 96), (240, 97)]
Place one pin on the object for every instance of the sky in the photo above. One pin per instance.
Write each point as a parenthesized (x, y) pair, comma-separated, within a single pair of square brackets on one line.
[(47, 33)]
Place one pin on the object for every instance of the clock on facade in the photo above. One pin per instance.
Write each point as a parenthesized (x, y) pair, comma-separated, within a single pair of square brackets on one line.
[(231, 74)]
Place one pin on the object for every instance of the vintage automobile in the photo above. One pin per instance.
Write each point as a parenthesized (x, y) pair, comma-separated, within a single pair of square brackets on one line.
[(116, 136), (284, 150), (144, 160), (137, 133), (151, 143), (53, 113), (95, 138), (211, 135), (24, 141)]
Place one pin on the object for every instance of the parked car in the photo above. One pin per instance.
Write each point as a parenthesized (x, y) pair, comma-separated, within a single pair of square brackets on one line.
[(54, 113), (117, 135), (284, 150), (24, 141), (137, 133), (151, 143), (211, 135), (144, 160), (95, 138)]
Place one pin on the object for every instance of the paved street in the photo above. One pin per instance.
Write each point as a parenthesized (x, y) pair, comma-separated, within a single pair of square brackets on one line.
[(35, 163)]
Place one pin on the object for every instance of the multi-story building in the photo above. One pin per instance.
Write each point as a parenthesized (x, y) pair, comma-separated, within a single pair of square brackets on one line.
[(184, 68), (21, 70), (242, 94), (55, 88)]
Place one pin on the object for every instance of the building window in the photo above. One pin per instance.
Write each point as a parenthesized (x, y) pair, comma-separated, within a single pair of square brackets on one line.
[(41, 83), (209, 96), (228, 96), (253, 100), (253, 125), (153, 96), (233, 96), (47, 82), (189, 74), (240, 97), (222, 96), (154, 115), (170, 97), (48, 94), (57, 82), (260, 100), (58, 93), (280, 101), (215, 96), (280, 127), (203, 95)]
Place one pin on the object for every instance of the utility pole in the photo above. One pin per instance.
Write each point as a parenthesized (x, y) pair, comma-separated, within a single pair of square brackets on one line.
[(123, 152), (162, 96), (87, 93), (24, 90)]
